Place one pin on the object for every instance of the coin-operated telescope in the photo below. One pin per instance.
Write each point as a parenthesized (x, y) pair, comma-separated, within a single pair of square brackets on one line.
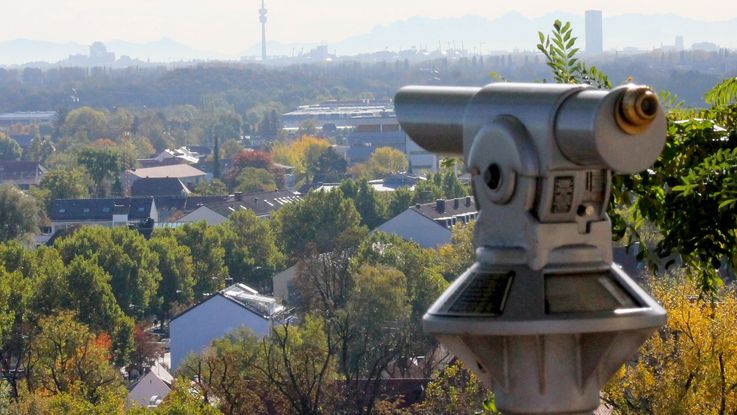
[(543, 316)]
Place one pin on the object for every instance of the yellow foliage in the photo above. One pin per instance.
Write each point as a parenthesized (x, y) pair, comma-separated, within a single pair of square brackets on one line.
[(384, 162), (689, 366), (300, 153)]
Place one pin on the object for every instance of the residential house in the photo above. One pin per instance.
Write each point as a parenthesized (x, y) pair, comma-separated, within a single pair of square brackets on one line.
[(66, 213), (263, 204), (22, 174), (151, 389), (430, 224), (239, 305), (187, 174), (159, 186), (169, 157)]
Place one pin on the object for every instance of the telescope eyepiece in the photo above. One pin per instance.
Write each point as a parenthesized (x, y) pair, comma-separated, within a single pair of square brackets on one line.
[(637, 109)]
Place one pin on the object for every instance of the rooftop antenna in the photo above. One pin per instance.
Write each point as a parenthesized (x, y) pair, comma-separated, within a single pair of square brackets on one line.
[(262, 18)]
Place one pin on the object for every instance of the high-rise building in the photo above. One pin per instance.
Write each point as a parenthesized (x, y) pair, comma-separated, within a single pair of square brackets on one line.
[(594, 33), (679, 43), (262, 19)]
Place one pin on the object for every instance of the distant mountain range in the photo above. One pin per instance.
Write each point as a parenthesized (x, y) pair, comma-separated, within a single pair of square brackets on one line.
[(515, 31), (21, 51), (509, 32)]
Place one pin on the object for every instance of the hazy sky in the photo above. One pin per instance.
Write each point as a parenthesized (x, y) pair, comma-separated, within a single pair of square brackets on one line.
[(231, 26)]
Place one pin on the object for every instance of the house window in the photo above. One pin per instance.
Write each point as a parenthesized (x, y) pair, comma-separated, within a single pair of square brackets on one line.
[(86, 210)]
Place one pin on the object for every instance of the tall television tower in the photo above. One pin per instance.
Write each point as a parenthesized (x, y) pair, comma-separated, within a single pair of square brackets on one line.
[(262, 18)]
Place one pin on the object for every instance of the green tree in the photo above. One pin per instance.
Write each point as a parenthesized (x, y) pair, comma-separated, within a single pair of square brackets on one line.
[(180, 401), (40, 150), (230, 148), (251, 180), (368, 203), (329, 167), (298, 363), (19, 213), (227, 374), (124, 254), (24, 273), (212, 187), (251, 253), (90, 295), (423, 283), (208, 255), (225, 126), (9, 148), (84, 125), (104, 166), (317, 224), (176, 288), (65, 184), (376, 320), (399, 201)]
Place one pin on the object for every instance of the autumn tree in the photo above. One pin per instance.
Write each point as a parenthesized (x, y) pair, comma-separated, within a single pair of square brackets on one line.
[(302, 154), (455, 257), (252, 158), (455, 390), (68, 358), (689, 366), (385, 161)]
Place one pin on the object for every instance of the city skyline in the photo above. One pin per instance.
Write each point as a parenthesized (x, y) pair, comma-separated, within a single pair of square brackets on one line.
[(230, 27)]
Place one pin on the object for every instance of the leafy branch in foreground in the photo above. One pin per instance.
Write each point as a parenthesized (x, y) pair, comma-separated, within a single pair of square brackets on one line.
[(560, 54)]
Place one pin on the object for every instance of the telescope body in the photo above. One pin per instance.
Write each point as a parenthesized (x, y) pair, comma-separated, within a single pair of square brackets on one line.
[(543, 317)]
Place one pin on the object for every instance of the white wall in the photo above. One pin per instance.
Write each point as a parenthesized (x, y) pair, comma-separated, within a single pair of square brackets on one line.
[(412, 226), (193, 331)]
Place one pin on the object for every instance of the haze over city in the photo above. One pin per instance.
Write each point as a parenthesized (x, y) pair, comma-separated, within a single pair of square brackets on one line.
[(227, 29)]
